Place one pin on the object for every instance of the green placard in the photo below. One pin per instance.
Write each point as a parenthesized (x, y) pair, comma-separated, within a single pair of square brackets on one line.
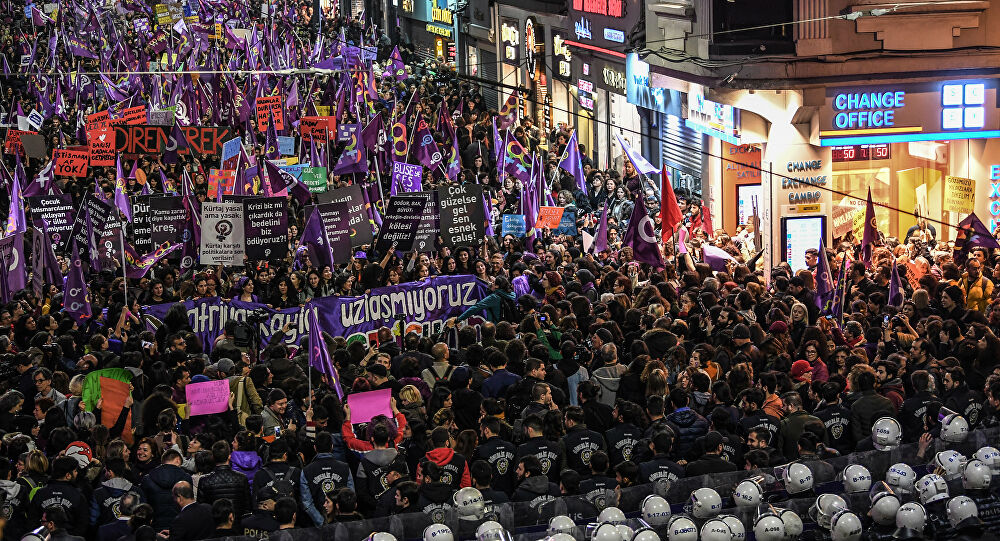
[(314, 178)]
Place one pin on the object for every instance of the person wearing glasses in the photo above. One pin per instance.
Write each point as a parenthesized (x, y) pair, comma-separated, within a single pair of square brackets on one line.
[(43, 384)]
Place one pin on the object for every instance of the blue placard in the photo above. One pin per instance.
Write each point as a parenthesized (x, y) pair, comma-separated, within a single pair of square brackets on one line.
[(286, 145), (27, 11), (230, 149), (513, 224), (567, 225)]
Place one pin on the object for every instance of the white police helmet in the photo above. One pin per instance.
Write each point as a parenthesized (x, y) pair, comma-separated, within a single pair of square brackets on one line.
[(381, 536), (798, 478), (949, 464), (932, 488), (735, 526), (976, 475), (468, 502), (561, 524), (490, 530), (560, 537), (748, 493), (792, 522), (681, 528), (705, 503), (961, 508), (611, 515), (825, 506), (845, 526), (886, 434), (857, 478), (769, 527), (912, 516), (655, 510), (607, 531), (646, 534), (901, 478), (626, 532), (954, 428), (991, 457), (438, 532), (716, 529), (884, 507)]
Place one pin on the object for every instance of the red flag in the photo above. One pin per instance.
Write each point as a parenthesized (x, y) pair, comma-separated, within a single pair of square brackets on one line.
[(706, 213), (670, 211)]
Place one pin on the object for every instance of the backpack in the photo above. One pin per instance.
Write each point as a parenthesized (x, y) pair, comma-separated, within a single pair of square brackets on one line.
[(33, 486), (508, 310), (284, 484), (444, 378)]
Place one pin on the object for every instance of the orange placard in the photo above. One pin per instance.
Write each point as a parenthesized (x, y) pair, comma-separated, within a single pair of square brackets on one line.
[(98, 121), (135, 116), (113, 395), (314, 128), (71, 163), (12, 145), (549, 217), (224, 178), (266, 107)]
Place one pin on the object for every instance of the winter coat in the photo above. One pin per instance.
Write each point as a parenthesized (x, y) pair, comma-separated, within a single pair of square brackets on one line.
[(157, 487), (224, 482), (246, 462), (691, 426)]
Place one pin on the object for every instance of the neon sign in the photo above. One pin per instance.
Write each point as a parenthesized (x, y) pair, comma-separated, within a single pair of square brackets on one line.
[(867, 110), (607, 8), (994, 206)]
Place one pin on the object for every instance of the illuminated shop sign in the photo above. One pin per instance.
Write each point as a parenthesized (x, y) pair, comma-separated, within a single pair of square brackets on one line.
[(612, 19), (994, 198), (529, 46), (510, 38), (711, 118), (805, 177), (439, 30), (861, 153), (933, 111), (442, 15), (563, 69), (407, 5)]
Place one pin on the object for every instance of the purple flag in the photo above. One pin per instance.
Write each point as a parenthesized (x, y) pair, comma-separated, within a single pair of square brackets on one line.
[(427, 151), (452, 152), (601, 235), (488, 212), (516, 160), (641, 236), (93, 250), (314, 237), (375, 139), (529, 200), (498, 143), (641, 164), (271, 150), (121, 198), (76, 303), (38, 18), (895, 286), (715, 257), (136, 267), (572, 163), (280, 179), (396, 66), (824, 281), (871, 231), (319, 357), (13, 278), (354, 158), (16, 222), (972, 232)]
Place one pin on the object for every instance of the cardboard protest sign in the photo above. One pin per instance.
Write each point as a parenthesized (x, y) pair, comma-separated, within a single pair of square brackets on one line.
[(99, 212), (346, 221), (221, 179), (102, 148), (959, 194), (549, 217), (314, 128), (34, 145), (368, 405), (513, 224), (400, 222), (56, 213), (113, 395), (462, 220), (314, 178), (141, 139), (135, 116), (430, 225), (140, 228), (207, 140), (267, 107), (223, 241), (207, 397), (286, 145), (265, 222), (231, 152), (161, 118), (406, 177), (567, 225), (12, 144), (70, 163), (167, 219), (98, 121)]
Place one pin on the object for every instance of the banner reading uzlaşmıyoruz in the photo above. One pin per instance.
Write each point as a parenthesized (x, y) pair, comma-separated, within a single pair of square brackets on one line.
[(426, 305)]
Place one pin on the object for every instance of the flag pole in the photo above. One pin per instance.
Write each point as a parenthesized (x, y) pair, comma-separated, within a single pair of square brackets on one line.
[(121, 237)]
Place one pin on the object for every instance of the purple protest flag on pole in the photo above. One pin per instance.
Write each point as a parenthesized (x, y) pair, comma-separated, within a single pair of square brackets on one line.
[(271, 150), (516, 160), (427, 151), (498, 143), (136, 267), (508, 113), (641, 236), (601, 235), (641, 164), (12, 272), (488, 212), (319, 357), (77, 300), (572, 163), (314, 237), (354, 158), (121, 198), (715, 257), (972, 232), (870, 233), (824, 281), (283, 180), (396, 66), (16, 222), (895, 286)]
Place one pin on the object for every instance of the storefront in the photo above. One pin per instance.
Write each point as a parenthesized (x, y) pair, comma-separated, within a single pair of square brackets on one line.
[(928, 148), (479, 46), (430, 27)]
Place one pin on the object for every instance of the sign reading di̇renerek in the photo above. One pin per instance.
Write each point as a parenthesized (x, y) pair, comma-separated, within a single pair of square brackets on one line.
[(931, 111)]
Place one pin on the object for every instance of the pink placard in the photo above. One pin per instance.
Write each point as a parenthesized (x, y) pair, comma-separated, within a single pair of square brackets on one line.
[(207, 397), (365, 406)]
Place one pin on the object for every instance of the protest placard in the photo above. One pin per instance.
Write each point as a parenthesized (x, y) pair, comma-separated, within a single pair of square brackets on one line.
[(98, 121), (549, 217), (346, 221), (223, 241), (406, 178), (135, 116), (959, 194), (265, 222), (430, 225), (267, 107), (367, 405), (314, 178), (207, 397), (102, 147), (286, 145), (314, 128), (167, 219), (567, 224), (140, 231), (221, 179), (462, 220), (513, 224), (231, 152), (208, 140), (402, 218), (99, 212), (56, 213), (70, 163), (113, 395), (141, 139), (12, 144)]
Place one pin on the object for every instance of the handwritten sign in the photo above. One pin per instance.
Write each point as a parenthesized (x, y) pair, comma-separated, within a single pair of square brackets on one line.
[(286, 145), (549, 217), (959, 194), (13, 145), (98, 121), (102, 147), (71, 163), (266, 107), (135, 116), (207, 397), (366, 406), (513, 224)]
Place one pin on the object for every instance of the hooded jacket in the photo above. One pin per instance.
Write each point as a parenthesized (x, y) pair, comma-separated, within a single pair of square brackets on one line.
[(15, 498), (451, 463), (536, 490), (246, 462), (105, 499), (370, 481), (156, 488), (690, 425)]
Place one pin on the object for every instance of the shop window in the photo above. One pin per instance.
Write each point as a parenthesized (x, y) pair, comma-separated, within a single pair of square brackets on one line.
[(773, 16)]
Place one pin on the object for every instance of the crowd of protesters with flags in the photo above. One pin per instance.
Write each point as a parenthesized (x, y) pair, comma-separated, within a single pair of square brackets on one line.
[(633, 332)]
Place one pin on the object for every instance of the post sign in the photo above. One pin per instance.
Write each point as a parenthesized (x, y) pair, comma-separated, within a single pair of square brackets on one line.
[(931, 111)]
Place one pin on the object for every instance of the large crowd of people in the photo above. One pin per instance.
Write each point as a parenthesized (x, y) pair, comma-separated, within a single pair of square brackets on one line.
[(594, 388)]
